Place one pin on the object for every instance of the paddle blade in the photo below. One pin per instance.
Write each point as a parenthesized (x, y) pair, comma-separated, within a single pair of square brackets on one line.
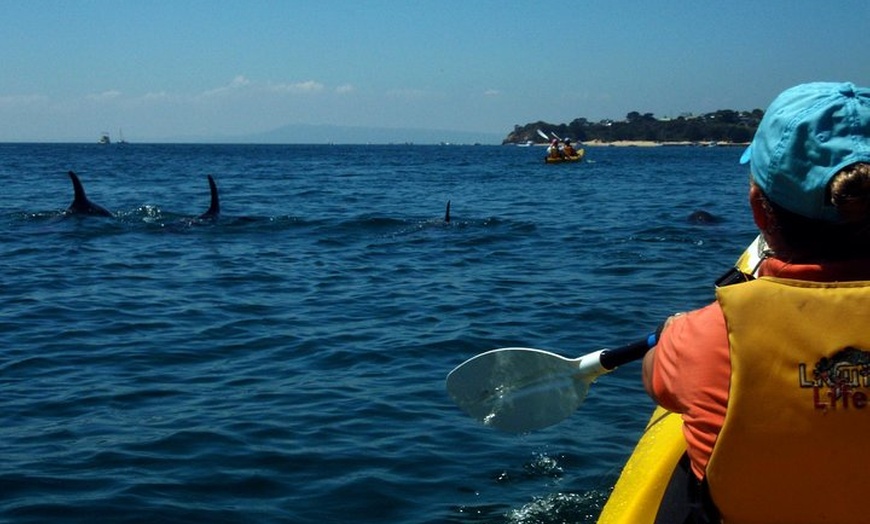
[(518, 389)]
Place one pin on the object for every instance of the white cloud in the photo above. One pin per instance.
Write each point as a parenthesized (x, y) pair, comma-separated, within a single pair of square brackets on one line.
[(241, 84), (105, 95), (238, 83), (156, 96), (491, 92), (240, 80), (309, 86)]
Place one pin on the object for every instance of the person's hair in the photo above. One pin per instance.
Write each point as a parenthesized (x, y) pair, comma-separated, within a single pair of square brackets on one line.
[(850, 193), (808, 239)]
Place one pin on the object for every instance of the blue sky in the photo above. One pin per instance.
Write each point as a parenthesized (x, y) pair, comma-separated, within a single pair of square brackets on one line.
[(177, 68)]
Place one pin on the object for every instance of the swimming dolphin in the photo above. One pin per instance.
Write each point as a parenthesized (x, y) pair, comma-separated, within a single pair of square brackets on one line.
[(80, 204), (702, 217), (214, 210), (447, 214)]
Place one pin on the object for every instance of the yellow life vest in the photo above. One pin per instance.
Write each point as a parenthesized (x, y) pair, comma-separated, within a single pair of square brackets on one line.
[(795, 444)]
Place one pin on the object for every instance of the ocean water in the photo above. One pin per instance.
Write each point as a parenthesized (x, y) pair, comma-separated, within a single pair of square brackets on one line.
[(286, 363)]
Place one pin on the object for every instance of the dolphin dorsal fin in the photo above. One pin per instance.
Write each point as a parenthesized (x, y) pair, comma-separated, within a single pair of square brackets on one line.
[(214, 210), (80, 204)]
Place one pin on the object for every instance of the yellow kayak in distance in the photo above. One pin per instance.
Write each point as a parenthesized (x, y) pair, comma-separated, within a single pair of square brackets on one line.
[(566, 159), (637, 496)]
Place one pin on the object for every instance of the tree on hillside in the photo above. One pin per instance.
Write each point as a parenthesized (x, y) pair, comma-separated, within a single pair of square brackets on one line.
[(725, 125)]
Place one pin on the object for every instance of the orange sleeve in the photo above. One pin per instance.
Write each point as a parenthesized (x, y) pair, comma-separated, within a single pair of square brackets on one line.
[(691, 375)]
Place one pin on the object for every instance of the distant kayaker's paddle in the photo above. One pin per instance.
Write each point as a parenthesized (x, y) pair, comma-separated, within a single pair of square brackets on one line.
[(521, 389)]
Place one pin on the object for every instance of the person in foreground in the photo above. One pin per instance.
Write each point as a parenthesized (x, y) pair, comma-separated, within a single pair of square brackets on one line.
[(773, 379)]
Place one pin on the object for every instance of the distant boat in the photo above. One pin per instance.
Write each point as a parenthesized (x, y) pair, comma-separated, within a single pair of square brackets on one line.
[(121, 137), (104, 139)]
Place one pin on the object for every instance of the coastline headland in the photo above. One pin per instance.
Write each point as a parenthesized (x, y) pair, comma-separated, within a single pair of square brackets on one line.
[(653, 143)]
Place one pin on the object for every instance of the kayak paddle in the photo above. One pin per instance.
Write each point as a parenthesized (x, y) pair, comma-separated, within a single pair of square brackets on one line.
[(548, 138), (522, 389)]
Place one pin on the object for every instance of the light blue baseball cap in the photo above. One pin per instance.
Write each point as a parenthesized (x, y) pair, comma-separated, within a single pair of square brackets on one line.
[(808, 134)]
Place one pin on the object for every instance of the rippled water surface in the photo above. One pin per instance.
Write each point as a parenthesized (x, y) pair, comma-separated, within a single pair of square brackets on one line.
[(286, 362)]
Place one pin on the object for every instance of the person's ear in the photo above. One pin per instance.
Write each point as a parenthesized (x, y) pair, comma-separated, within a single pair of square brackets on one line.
[(759, 210)]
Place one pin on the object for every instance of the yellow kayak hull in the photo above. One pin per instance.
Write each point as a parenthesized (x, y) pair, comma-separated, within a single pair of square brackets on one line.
[(638, 493), (567, 159)]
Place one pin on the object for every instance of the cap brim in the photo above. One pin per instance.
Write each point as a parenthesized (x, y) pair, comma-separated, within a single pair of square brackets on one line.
[(747, 154)]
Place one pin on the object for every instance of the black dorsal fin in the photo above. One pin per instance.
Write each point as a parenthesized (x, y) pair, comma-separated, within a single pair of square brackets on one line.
[(214, 210), (80, 204)]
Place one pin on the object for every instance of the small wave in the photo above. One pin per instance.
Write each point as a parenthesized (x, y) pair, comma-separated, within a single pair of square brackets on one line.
[(558, 508)]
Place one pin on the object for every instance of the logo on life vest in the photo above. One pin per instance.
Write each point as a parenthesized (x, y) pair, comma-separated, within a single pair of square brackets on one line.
[(839, 382)]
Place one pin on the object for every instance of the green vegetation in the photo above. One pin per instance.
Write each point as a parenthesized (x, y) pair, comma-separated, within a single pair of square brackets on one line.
[(722, 126)]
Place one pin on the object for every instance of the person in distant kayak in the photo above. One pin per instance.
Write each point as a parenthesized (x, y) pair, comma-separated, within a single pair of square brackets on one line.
[(567, 149), (773, 379), (553, 150)]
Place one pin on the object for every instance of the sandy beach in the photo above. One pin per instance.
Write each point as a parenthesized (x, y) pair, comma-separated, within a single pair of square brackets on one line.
[(650, 143)]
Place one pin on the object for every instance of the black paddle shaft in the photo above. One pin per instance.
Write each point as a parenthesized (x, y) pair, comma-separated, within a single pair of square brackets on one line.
[(613, 358)]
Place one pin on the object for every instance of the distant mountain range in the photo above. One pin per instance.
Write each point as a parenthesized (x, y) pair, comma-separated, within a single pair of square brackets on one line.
[(330, 134)]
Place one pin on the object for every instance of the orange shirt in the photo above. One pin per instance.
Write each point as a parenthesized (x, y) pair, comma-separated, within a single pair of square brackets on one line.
[(692, 369)]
